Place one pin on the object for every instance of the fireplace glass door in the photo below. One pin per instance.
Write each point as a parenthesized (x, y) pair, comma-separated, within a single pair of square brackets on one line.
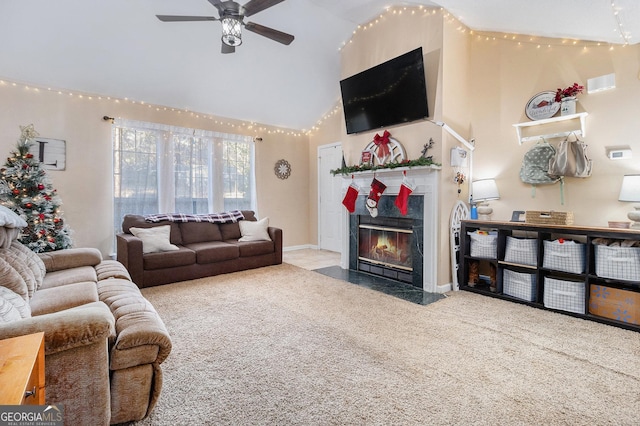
[(385, 251)]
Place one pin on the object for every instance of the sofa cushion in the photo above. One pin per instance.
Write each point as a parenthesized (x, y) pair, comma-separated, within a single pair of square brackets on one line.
[(11, 279), (168, 259), (8, 235), (137, 221), (154, 239), (69, 276), (230, 231), (11, 304), (196, 232), (254, 231), (214, 251), (33, 261), (254, 248), (18, 262), (56, 299)]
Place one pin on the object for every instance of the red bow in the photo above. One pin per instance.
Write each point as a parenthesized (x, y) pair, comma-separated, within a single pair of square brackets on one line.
[(382, 142)]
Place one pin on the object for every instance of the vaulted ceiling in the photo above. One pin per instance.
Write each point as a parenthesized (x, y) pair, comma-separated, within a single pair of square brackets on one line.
[(119, 48)]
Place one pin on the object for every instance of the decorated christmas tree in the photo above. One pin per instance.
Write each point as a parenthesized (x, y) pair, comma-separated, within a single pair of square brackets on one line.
[(28, 192)]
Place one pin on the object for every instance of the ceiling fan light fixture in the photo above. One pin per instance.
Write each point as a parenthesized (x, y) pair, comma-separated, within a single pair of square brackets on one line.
[(231, 31)]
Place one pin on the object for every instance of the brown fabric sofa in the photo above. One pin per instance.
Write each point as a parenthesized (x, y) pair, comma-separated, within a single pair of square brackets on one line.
[(104, 342), (204, 249)]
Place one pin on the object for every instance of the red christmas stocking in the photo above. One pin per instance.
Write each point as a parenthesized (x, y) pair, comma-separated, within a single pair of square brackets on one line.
[(377, 188), (349, 200), (402, 200)]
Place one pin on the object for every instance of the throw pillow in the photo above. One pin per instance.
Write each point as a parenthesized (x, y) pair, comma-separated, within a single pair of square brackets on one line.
[(254, 231), (8, 312), (12, 304), (155, 239), (10, 219)]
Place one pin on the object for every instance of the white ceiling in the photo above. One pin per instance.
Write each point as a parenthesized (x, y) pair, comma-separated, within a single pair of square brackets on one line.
[(119, 48)]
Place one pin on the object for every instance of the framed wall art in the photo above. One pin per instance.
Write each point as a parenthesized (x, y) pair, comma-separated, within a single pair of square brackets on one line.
[(51, 153)]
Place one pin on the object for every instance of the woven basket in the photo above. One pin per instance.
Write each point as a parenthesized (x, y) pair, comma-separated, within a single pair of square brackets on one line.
[(548, 217)]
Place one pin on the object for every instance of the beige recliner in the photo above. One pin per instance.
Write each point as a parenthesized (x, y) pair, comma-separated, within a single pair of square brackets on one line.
[(104, 342)]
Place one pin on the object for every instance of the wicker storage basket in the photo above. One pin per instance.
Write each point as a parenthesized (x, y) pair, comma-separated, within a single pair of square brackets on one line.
[(548, 218), (564, 295), (519, 285)]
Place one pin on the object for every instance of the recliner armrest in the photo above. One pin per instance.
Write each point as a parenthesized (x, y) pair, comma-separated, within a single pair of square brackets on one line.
[(68, 329)]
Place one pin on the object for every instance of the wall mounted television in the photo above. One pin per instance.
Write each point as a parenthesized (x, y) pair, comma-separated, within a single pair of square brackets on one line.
[(391, 93)]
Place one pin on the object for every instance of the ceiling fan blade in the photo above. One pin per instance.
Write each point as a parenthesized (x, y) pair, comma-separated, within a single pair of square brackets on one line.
[(174, 18), (255, 6), (228, 49), (216, 3), (276, 35)]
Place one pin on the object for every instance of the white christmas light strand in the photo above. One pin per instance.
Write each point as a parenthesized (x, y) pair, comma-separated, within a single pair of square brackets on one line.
[(616, 14), (247, 126), (519, 39)]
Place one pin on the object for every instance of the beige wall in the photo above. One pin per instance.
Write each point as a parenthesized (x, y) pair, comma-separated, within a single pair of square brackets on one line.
[(480, 87), (85, 187), (447, 82), (505, 75)]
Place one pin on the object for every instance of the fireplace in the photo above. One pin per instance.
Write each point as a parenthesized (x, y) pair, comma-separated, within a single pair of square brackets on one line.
[(422, 212), (384, 247)]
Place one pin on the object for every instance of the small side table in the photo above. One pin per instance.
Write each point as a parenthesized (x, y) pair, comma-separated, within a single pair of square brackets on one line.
[(22, 370)]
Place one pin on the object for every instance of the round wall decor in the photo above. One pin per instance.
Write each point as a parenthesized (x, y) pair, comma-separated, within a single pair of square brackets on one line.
[(282, 169), (542, 105)]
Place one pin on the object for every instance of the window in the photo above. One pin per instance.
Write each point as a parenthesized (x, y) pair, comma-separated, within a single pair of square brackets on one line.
[(165, 169)]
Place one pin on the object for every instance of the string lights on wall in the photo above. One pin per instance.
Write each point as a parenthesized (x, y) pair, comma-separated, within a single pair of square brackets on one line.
[(479, 36), (245, 126)]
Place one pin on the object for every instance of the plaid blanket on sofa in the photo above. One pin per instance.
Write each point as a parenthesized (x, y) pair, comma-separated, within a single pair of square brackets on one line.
[(225, 217)]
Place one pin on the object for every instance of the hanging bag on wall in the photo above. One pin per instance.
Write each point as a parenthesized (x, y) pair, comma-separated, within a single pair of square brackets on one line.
[(571, 159), (535, 164)]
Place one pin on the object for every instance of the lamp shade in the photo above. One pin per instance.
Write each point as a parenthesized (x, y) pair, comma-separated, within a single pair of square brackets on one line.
[(485, 189), (630, 189)]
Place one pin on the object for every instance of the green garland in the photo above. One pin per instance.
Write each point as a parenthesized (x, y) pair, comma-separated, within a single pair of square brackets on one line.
[(422, 161)]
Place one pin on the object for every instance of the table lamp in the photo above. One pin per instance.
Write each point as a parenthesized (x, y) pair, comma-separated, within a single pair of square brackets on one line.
[(484, 190), (630, 191)]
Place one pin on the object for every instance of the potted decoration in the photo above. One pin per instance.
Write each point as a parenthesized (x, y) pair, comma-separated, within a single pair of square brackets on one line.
[(567, 98)]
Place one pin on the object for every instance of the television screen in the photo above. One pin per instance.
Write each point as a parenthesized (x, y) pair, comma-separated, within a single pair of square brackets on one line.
[(390, 93)]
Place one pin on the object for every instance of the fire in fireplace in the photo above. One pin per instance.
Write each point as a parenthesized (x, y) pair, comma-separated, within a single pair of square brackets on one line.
[(384, 247)]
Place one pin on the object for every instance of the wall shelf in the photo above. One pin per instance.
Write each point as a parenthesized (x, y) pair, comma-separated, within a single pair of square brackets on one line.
[(554, 127)]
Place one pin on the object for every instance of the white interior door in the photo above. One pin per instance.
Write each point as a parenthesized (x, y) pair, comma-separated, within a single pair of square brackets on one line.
[(330, 198)]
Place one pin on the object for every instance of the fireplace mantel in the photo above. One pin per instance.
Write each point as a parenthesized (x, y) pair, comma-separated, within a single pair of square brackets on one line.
[(425, 180)]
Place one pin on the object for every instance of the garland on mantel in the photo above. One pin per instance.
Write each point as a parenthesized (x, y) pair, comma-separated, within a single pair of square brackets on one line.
[(422, 161)]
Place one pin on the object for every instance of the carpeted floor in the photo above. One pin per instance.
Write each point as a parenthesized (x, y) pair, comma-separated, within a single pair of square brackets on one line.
[(286, 346)]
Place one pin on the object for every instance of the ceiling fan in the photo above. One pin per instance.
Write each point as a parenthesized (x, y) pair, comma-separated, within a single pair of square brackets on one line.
[(232, 15)]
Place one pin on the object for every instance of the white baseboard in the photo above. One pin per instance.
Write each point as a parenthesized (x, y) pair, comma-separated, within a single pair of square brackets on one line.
[(302, 247), (443, 288)]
